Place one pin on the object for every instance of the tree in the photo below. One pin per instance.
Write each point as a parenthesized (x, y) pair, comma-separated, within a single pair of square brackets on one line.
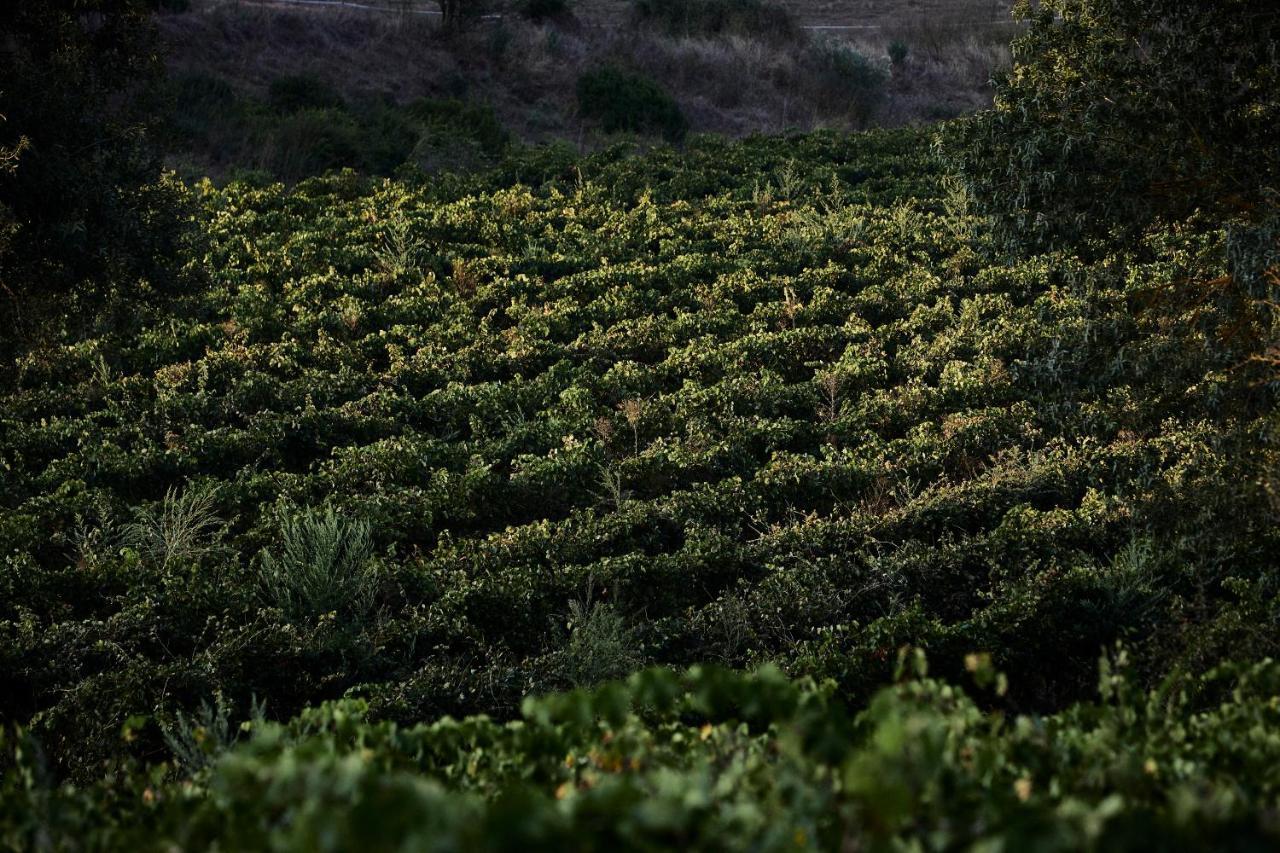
[(1120, 113), (81, 209)]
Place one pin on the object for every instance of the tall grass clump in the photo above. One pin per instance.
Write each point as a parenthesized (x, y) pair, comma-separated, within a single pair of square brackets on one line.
[(322, 564), (181, 527)]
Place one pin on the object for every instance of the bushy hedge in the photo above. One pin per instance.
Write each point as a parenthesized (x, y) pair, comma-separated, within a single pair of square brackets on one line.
[(1119, 113), (303, 127)]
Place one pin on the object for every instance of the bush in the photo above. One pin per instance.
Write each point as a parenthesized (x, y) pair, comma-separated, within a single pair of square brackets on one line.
[(600, 645), (848, 80), (202, 103), (296, 92), (324, 564), (898, 52), (1121, 113), (183, 527), (715, 17), (86, 223), (622, 101), (540, 10), (456, 118), (311, 141)]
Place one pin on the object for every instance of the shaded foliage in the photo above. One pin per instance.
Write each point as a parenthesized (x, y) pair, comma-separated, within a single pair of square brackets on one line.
[(1120, 113), (82, 209)]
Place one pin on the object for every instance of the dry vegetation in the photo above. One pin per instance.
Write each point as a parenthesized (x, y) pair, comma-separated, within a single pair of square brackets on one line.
[(734, 84)]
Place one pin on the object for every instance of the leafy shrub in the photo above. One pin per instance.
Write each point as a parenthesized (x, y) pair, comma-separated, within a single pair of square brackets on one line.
[(713, 17), (600, 646), (312, 141), (324, 563), (1120, 113), (388, 136), (898, 51), (87, 227), (297, 92), (462, 120), (622, 101), (198, 741), (202, 102)]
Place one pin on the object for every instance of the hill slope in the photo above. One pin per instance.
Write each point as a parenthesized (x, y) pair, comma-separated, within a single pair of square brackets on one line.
[(570, 418)]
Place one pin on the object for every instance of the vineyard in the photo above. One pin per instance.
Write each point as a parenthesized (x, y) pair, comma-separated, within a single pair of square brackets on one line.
[(419, 449)]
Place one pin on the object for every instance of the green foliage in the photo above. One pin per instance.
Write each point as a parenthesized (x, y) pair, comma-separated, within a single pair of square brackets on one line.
[(86, 224), (324, 563), (898, 51), (600, 645), (303, 128), (716, 17), (709, 759), (184, 527), (312, 141), (772, 395), (197, 742), (622, 101), (1120, 113), (296, 92)]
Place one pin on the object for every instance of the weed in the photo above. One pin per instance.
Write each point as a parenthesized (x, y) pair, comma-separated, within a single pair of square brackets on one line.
[(400, 252), (600, 646), (323, 564), (183, 527), (198, 741)]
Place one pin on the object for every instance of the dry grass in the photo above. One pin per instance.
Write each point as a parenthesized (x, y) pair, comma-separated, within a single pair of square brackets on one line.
[(527, 71)]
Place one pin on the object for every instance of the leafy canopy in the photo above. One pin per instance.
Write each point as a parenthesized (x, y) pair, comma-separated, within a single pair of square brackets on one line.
[(1120, 113)]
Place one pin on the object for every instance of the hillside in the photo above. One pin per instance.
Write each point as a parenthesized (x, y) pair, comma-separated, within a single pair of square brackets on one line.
[(906, 489), (742, 67), (753, 402)]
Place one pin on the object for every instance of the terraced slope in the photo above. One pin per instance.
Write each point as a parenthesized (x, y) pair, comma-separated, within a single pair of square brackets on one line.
[(753, 402)]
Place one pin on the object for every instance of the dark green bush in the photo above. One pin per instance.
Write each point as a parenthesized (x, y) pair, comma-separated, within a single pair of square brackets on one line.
[(86, 224), (203, 107), (453, 117), (847, 79), (296, 92), (622, 101), (898, 51), (311, 141), (389, 134), (540, 10)]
